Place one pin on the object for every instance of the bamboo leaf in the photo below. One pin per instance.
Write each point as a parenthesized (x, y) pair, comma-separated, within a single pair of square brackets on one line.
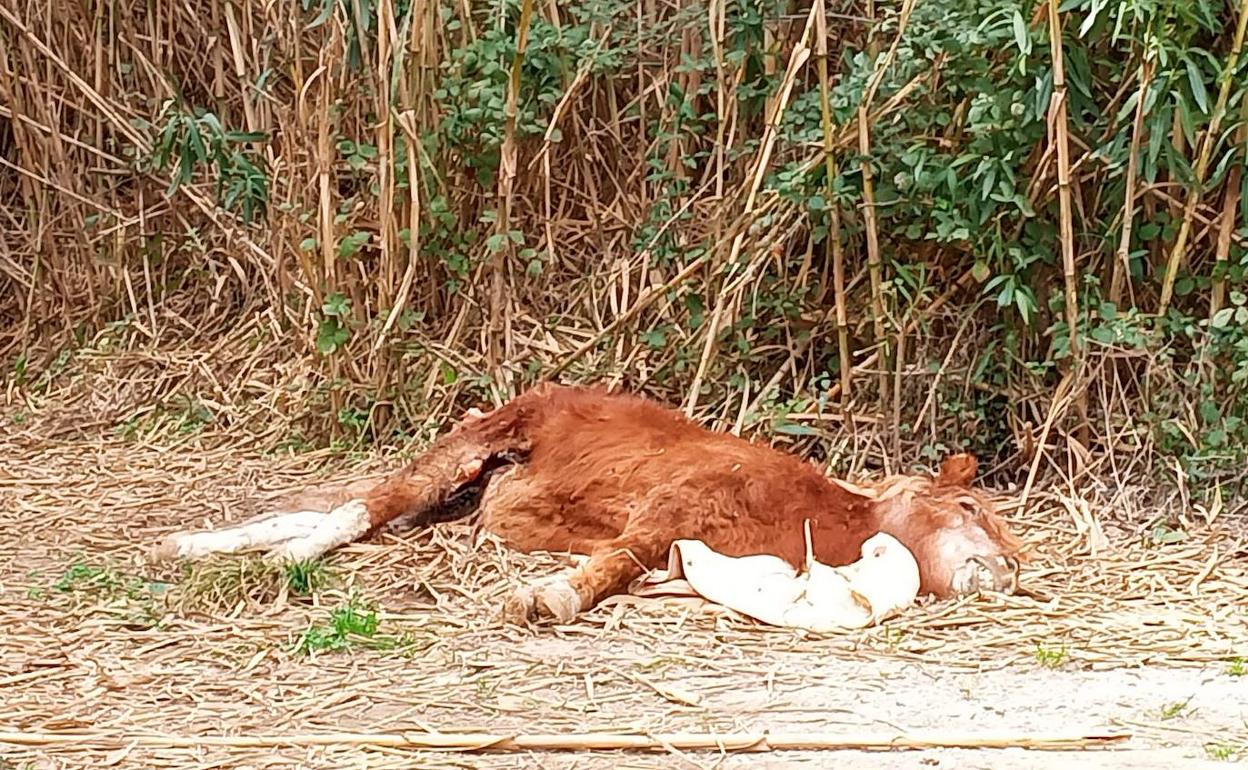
[(1197, 82), (1021, 38)]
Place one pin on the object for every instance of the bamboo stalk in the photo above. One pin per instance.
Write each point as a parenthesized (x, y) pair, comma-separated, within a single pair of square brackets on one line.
[(899, 363), (1058, 124), (324, 172), (1120, 272), (387, 41), (835, 252), (217, 55), (101, 50), (967, 279), (1207, 141), (498, 342), (411, 137), (515, 742), (118, 122), (1230, 213), (841, 300), (877, 77), (716, 18), (797, 59), (240, 66), (644, 300), (873, 243), (874, 263), (1061, 396)]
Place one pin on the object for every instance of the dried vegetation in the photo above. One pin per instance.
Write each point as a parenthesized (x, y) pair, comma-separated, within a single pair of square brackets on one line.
[(244, 244), (400, 635)]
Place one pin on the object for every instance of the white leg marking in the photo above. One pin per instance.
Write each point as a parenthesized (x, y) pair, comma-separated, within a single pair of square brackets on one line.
[(255, 534), (338, 527)]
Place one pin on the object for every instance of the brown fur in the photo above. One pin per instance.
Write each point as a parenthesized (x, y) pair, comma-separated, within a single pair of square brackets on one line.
[(619, 478)]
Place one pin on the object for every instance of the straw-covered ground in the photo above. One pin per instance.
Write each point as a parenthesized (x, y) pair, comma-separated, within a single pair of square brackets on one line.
[(108, 661)]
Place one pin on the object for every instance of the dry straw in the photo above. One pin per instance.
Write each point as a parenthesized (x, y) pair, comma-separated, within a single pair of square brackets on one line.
[(112, 672), (492, 742)]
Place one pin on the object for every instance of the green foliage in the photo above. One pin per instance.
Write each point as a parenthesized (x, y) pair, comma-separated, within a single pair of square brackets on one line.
[(305, 578), (101, 588), (334, 330), (349, 623), (192, 140), (181, 415), (965, 183), (1049, 656), (1175, 710), (958, 167), (473, 89), (1225, 752), (353, 624)]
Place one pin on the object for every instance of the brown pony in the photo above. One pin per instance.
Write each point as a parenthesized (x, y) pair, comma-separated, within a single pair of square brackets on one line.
[(618, 478)]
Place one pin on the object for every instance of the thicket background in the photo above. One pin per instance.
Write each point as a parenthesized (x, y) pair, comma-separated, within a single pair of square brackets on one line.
[(865, 228)]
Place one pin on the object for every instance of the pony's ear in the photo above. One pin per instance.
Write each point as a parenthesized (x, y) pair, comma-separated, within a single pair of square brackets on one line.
[(958, 470)]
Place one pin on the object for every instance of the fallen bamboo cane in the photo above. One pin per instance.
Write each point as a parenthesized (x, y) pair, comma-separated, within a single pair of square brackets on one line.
[(500, 742)]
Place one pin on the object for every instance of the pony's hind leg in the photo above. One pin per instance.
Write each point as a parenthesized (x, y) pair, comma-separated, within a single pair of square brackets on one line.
[(264, 532), (425, 491), (418, 494)]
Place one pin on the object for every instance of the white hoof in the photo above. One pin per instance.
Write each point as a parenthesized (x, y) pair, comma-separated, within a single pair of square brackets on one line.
[(168, 549), (553, 599)]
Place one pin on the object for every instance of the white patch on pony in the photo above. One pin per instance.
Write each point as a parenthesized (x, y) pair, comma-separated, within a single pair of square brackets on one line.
[(340, 526), (963, 553), (956, 546), (260, 533)]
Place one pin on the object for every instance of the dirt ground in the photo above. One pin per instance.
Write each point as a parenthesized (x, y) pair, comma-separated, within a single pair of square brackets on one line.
[(101, 651)]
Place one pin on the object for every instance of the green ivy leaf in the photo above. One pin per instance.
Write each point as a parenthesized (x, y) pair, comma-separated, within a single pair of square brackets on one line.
[(336, 305), (330, 336), (655, 338), (1103, 335), (350, 245)]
